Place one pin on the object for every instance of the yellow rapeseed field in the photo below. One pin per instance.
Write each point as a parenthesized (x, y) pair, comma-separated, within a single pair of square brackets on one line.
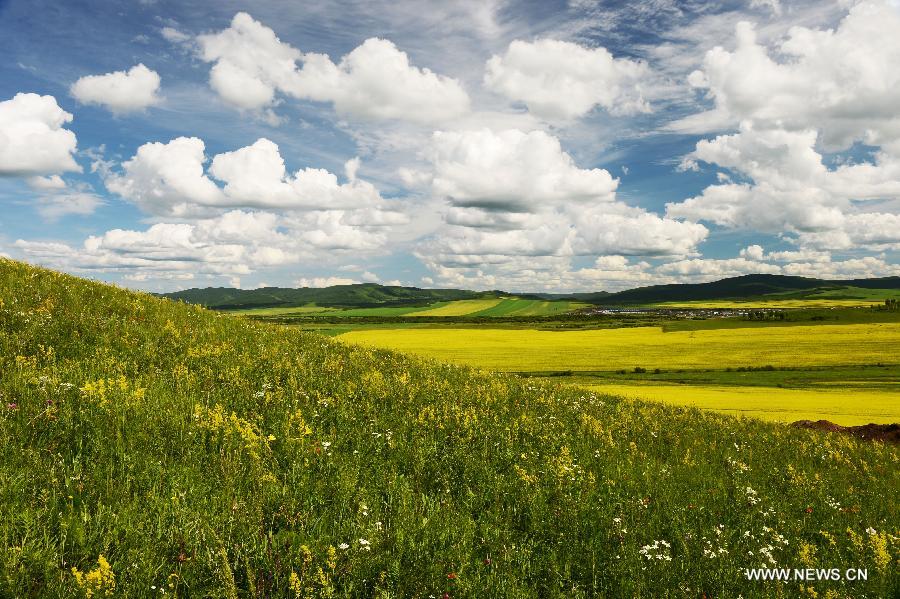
[(647, 347), (845, 407), (460, 308)]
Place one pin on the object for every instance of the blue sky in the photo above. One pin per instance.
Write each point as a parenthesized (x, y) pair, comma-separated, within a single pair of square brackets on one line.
[(520, 145)]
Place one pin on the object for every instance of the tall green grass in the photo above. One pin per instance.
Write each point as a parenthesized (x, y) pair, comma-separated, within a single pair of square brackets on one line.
[(147, 446)]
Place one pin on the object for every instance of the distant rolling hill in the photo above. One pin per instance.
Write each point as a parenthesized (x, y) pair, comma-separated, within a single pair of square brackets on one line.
[(362, 295), (370, 295), (743, 287)]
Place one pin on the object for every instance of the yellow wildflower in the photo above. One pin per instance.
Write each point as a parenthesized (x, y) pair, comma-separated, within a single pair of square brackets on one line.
[(99, 581)]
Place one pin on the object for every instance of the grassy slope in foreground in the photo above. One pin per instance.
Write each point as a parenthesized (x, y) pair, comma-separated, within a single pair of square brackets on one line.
[(229, 458)]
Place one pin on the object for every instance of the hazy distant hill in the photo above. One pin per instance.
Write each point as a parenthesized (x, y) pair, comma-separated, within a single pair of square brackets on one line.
[(746, 286), (742, 287), (372, 295)]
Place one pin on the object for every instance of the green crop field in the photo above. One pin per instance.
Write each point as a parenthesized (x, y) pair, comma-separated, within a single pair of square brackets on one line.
[(461, 307), (477, 308), (519, 307), (297, 310), (147, 445)]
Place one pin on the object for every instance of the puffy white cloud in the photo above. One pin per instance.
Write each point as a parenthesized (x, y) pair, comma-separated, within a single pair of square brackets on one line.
[(852, 268), (709, 269), (530, 198), (792, 191), (374, 81), (33, 137), (250, 62), (759, 207), (842, 81), (753, 252), (235, 243), (319, 282), (256, 176), (612, 273), (753, 260), (515, 196), (634, 232), (119, 91), (167, 178), (511, 171), (872, 230), (312, 207), (560, 80)]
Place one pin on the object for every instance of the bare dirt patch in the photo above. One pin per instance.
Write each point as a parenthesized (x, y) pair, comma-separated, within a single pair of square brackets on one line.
[(888, 433)]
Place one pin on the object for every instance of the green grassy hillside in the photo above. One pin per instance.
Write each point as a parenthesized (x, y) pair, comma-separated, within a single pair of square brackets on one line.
[(749, 287), (147, 445), (396, 300), (361, 295)]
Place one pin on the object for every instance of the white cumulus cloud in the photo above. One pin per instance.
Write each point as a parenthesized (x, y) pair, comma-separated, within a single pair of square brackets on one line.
[(33, 137), (791, 190), (319, 282), (511, 171), (121, 91), (842, 81), (560, 80), (512, 195), (167, 178), (171, 179), (251, 66)]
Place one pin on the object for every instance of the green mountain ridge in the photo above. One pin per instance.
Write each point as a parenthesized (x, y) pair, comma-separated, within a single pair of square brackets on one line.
[(370, 295), (736, 288), (359, 295)]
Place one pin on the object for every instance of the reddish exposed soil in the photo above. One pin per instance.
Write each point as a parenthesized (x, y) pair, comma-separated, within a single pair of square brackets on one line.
[(887, 433)]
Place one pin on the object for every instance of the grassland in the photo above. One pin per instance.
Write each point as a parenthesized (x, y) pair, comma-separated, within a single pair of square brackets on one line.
[(147, 445)]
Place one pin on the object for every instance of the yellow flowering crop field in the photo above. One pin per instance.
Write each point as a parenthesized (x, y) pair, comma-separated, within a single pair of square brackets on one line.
[(152, 448), (847, 407), (459, 307), (524, 350)]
